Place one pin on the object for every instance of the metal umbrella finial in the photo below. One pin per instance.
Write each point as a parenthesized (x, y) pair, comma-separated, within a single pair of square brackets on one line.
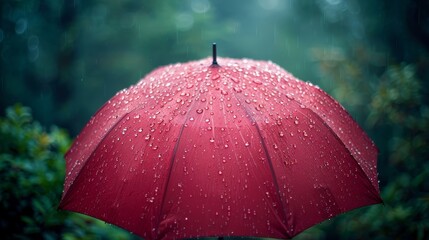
[(214, 63)]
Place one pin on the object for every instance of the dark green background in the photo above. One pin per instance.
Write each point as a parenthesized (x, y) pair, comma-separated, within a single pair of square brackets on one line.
[(64, 59)]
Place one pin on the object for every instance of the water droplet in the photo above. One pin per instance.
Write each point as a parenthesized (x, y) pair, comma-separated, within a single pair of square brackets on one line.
[(212, 140), (220, 172), (223, 92), (140, 130), (226, 146), (246, 144), (275, 146), (257, 81), (234, 79), (147, 137), (215, 76), (296, 122), (199, 111), (281, 134), (191, 119)]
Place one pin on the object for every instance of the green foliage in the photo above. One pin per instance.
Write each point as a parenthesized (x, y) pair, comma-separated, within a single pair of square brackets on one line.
[(397, 96), (397, 104), (398, 120), (32, 173)]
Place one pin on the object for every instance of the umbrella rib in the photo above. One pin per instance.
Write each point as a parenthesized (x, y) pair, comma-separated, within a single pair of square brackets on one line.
[(95, 148), (336, 136), (348, 150), (176, 146), (270, 163), (169, 174)]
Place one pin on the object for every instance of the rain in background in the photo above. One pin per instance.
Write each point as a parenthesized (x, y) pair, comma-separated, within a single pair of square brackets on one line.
[(64, 59)]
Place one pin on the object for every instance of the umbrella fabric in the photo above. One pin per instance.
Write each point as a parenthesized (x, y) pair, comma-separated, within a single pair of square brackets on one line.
[(240, 149)]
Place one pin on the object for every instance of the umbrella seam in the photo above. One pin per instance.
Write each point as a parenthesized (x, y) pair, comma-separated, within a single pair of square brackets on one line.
[(77, 138), (95, 148), (348, 150), (335, 135), (171, 165), (264, 146), (169, 176)]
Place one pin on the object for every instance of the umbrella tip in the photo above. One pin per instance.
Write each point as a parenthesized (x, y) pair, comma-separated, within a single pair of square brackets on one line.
[(214, 63)]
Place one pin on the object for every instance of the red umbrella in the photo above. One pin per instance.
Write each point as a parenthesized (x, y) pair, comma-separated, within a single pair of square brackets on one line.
[(242, 148)]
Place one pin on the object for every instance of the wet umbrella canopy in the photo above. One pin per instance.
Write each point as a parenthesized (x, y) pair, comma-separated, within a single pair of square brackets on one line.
[(238, 148)]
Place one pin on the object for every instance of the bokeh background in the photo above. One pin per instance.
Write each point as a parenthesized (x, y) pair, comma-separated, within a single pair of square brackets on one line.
[(61, 60)]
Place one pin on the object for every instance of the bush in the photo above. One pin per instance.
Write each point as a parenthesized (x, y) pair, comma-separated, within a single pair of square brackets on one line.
[(32, 173)]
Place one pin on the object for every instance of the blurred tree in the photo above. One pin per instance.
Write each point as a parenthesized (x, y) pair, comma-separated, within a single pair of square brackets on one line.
[(37, 52), (66, 58)]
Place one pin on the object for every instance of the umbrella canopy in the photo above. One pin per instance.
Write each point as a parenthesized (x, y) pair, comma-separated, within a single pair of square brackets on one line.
[(242, 148)]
